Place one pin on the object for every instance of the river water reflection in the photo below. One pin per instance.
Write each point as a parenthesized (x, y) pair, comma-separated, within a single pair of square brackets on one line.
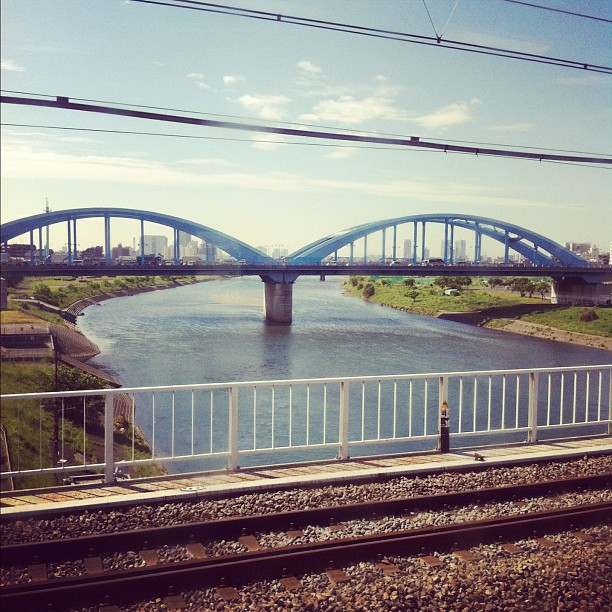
[(214, 332)]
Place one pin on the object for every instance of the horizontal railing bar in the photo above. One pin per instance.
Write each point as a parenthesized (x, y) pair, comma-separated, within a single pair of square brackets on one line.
[(272, 449), (577, 424), (417, 438), (330, 405), (299, 381)]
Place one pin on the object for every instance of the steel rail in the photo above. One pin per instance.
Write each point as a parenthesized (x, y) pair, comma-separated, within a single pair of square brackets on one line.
[(13, 554), (274, 563)]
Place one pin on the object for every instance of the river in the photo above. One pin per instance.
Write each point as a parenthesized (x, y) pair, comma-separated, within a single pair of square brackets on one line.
[(215, 332)]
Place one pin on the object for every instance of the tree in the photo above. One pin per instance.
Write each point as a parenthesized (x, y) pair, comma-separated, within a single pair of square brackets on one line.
[(413, 295), (43, 293), (542, 287), (409, 282), (454, 282), (442, 281), (368, 290), (521, 285), (531, 288)]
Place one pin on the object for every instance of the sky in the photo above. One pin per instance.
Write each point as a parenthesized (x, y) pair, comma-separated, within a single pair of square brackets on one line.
[(272, 190)]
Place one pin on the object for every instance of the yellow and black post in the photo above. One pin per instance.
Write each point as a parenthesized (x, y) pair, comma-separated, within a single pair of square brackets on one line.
[(444, 430)]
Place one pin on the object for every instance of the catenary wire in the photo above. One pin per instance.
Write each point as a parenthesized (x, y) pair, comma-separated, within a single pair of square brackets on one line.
[(285, 142), (298, 124), (380, 33), (558, 10), (63, 102)]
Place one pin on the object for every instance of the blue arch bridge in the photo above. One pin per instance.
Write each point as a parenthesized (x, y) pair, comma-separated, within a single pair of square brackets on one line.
[(575, 280)]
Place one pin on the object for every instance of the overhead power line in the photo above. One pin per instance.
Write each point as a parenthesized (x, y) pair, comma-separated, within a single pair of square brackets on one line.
[(456, 45), (292, 143), (62, 102), (225, 116), (557, 10)]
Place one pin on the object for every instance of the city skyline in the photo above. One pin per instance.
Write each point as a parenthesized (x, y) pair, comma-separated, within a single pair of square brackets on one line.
[(271, 189)]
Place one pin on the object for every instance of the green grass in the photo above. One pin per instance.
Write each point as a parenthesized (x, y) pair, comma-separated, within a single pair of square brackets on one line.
[(429, 301), (63, 291), (29, 425), (389, 292), (568, 319)]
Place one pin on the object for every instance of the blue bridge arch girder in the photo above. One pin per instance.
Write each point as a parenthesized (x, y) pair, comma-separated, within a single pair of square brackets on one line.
[(234, 247), (534, 247)]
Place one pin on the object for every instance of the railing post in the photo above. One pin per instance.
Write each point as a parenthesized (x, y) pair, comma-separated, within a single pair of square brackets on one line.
[(344, 420), (109, 459), (232, 461), (444, 416), (532, 434), (609, 403)]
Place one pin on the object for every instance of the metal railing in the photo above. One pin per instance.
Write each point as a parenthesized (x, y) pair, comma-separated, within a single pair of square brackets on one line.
[(228, 425)]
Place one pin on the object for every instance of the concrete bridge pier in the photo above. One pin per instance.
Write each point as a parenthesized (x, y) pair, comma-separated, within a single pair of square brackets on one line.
[(578, 292), (278, 297)]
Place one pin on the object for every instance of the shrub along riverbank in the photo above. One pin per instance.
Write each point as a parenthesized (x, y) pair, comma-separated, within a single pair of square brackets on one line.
[(481, 304)]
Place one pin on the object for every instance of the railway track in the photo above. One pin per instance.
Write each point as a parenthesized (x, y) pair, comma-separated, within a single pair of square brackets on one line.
[(288, 561)]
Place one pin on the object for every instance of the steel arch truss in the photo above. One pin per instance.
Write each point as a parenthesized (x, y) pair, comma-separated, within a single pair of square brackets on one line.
[(230, 245), (534, 247)]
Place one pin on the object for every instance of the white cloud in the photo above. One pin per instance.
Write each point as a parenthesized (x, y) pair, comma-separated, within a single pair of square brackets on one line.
[(198, 79), (78, 140), (308, 68), (341, 153), (347, 110), (514, 127), (232, 79), (35, 161), (209, 162), (456, 113), (11, 66), (267, 142), (265, 107)]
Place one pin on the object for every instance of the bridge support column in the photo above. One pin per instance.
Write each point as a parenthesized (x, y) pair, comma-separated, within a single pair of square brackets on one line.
[(579, 293), (278, 302), (278, 296)]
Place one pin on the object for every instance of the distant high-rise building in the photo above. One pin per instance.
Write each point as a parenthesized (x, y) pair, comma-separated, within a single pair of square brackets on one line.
[(580, 248), (154, 245), (189, 249), (120, 251), (460, 250), (408, 249)]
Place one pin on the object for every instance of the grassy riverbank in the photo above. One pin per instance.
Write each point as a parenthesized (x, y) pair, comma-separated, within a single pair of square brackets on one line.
[(482, 305), (62, 291), (30, 427)]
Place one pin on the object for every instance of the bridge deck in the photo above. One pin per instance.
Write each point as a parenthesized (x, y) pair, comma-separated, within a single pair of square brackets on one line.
[(188, 487)]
